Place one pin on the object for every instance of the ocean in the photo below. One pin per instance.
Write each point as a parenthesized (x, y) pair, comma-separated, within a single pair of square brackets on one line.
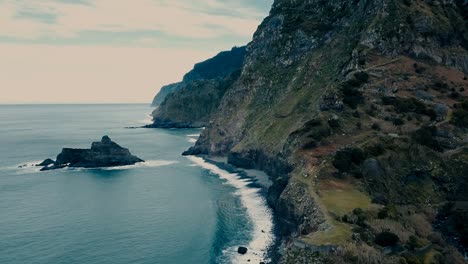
[(170, 209)]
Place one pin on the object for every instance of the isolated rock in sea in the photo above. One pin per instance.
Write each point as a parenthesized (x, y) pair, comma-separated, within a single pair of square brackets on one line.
[(105, 153), (242, 250)]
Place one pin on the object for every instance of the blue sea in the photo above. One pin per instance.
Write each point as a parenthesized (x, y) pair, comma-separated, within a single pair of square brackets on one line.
[(170, 209)]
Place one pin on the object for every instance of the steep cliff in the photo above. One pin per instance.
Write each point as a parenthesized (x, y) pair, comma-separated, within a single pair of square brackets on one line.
[(193, 104), (164, 92), (217, 68), (357, 110)]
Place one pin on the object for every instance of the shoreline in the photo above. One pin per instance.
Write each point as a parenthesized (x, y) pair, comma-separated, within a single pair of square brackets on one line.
[(252, 188)]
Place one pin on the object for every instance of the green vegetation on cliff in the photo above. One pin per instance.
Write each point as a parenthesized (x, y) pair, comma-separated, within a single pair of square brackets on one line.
[(357, 110)]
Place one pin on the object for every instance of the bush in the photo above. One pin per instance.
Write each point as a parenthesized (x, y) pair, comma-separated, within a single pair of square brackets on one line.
[(418, 69), (376, 126), (375, 150), (398, 121), (388, 212), (352, 96), (347, 159), (414, 243), (386, 239), (409, 105), (426, 137), (319, 133), (362, 77), (334, 123), (460, 114)]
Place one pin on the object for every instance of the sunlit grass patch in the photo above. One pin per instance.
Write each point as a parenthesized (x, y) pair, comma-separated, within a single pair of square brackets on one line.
[(341, 198)]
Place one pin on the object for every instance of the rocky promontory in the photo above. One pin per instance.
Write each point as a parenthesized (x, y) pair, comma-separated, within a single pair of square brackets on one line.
[(105, 153)]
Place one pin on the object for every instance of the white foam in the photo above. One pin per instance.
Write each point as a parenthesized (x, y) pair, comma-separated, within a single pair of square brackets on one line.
[(192, 140), (147, 121), (30, 167), (27, 167), (146, 164), (257, 209)]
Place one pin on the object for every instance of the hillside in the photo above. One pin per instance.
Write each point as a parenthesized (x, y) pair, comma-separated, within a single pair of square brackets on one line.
[(358, 111)]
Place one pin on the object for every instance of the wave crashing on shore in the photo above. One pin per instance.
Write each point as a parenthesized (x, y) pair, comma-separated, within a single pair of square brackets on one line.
[(257, 210)]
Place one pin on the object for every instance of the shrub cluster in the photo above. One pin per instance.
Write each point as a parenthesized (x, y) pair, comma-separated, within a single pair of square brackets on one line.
[(386, 239), (408, 105), (426, 136), (460, 114), (351, 94), (349, 160)]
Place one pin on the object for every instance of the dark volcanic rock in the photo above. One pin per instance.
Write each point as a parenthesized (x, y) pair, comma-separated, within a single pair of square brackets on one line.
[(242, 250), (105, 153), (46, 162)]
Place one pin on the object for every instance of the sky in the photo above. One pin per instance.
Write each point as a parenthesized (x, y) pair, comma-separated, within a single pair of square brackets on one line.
[(113, 51)]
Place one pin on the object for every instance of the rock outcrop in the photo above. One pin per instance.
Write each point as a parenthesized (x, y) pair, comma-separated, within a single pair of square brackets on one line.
[(105, 153)]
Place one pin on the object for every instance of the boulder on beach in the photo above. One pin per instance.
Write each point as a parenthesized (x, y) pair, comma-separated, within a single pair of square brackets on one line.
[(105, 153), (242, 250)]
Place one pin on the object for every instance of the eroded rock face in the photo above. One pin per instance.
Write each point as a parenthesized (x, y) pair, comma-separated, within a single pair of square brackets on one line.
[(105, 153), (298, 211)]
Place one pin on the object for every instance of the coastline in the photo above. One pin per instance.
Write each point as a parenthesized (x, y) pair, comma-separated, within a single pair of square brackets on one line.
[(252, 188)]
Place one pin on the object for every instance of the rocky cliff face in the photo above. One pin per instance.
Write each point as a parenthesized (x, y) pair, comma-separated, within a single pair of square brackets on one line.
[(164, 92), (217, 68), (357, 110), (193, 104)]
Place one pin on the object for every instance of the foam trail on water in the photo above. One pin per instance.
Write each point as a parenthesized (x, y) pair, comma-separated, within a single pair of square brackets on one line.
[(30, 167), (257, 210), (192, 138), (146, 164), (27, 167)]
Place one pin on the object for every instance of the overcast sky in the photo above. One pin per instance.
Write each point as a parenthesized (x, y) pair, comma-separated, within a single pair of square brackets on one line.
[(113, 51)]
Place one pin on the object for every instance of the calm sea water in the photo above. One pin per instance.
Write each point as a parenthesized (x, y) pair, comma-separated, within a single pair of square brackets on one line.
[(170, 209)]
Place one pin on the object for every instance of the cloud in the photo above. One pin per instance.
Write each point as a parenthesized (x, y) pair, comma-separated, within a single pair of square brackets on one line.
[(24, 20), (103, 51)]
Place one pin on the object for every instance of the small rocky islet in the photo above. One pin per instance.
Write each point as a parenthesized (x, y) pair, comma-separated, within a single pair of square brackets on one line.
[(105, 153)]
